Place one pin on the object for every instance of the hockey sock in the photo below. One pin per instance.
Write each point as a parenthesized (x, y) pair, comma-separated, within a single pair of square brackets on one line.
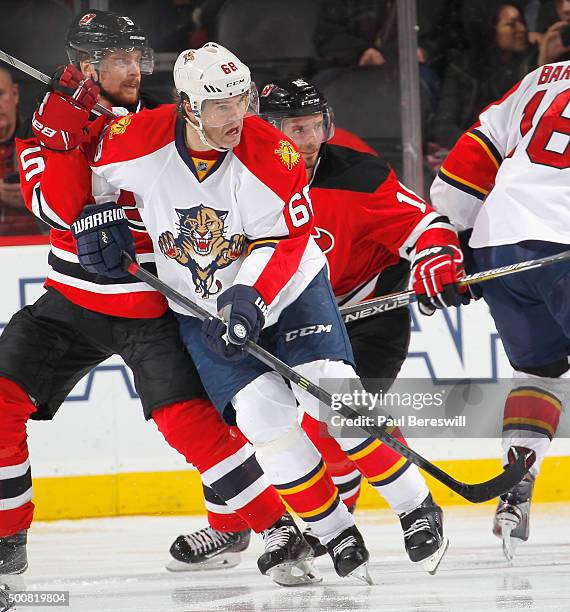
[(266, 412), (344, 473), (311, 492), (220, 515), (16, 507), (532, 413), (393, 476), (225, 460)]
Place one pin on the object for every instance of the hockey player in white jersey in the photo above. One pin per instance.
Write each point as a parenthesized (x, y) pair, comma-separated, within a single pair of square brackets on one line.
[(516, 161), (226, 203)]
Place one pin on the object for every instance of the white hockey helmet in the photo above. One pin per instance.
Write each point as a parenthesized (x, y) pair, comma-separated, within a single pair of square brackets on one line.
[(213, 73)]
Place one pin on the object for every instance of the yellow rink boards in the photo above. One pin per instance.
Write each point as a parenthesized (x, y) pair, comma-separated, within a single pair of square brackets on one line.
[(180, 492)]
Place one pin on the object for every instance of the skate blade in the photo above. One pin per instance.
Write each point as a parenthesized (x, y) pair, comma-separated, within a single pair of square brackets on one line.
[(430, 564), (361, 573), (508, 542), (507, 526), (14, 582), (223, 561), (295, 573)]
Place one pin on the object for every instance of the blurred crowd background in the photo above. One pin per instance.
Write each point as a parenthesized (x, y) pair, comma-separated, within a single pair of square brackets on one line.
[(469, 53)]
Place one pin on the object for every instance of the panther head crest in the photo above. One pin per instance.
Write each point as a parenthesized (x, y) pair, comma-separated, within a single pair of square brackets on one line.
[(201, 225)]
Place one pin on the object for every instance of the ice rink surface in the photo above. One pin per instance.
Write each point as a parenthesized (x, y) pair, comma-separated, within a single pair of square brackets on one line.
[(117, 565)]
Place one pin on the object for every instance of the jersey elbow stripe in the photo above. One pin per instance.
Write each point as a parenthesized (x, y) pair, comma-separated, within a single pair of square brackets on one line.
[(259, 244), (487, 145), (41, 209), (461, 184), (409, 243)]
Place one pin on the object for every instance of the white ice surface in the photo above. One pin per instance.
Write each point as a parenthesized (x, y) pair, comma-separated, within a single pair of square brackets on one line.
[(117, 565)]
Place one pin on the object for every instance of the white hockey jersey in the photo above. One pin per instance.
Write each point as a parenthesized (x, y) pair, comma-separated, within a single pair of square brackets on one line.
[(508, 177), (248, 221)]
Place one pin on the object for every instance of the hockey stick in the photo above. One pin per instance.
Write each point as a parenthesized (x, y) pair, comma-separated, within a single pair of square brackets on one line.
[(475, 493), (40, 76), (405, 298)]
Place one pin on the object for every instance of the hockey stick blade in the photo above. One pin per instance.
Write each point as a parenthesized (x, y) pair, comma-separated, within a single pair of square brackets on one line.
[(391, 301), (476, 493)]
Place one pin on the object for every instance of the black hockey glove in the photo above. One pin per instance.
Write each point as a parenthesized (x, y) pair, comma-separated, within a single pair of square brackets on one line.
[(244, 311), (102, 233)]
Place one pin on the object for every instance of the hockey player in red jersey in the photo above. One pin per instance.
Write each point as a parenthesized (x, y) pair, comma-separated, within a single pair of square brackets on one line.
[(209, 181), (516, 160), (369, 226), (83, 318)]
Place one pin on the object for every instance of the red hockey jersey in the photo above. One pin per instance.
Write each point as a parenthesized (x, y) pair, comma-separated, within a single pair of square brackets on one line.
[(55, 187), (366, 220)]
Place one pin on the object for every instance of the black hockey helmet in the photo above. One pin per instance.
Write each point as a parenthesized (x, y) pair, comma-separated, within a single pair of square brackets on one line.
[(95, 33), (286, 98)]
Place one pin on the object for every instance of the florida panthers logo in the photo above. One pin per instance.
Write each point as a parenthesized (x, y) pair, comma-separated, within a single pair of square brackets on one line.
[(201, 246)]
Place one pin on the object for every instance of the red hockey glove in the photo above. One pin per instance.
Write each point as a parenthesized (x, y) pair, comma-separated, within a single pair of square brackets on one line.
[(436, 271), (59, 120)]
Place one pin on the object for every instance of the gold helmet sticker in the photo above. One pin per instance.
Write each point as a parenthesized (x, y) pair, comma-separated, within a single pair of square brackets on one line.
[(120, 126), (287, 154)]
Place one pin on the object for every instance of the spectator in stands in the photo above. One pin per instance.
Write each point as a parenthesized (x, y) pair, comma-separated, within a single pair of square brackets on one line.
[(364, 32), (14, 217), (555, 44), (354, 33), (499, 55)]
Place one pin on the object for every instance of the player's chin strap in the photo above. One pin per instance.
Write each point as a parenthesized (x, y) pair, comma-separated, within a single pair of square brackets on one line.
[(476, 493), (202, 135)]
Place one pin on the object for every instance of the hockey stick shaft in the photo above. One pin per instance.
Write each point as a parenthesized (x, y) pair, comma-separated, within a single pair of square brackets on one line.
[(475, 493), (405, 298), (98, 109)]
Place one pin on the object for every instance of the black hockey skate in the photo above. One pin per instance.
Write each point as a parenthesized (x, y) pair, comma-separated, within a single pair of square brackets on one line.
[(5, 605), (207, 549), (13, 553), (319, 549), (512, 516), (423, 534), (349, 554), (288, 557)]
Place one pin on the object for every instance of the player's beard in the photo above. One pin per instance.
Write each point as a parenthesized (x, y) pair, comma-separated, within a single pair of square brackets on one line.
[(310, 158), (126, 95)]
